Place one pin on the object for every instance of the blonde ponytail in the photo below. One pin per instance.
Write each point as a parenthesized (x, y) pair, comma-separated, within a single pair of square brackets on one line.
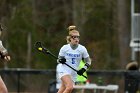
[(68, 39), (70, 28)]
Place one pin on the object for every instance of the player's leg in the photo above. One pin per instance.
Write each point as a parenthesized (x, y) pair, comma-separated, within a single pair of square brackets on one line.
[(3, 88), (62, 88), (68, 83)]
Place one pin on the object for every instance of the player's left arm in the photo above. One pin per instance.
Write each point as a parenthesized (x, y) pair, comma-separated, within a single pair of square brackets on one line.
[(87, 62), (87, 59), (86, 66)]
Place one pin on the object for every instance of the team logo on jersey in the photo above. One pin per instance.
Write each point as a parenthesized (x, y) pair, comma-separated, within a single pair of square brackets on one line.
[(73, 55)]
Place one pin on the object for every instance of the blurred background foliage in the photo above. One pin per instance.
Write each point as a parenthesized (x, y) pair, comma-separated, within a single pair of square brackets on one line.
[(104, 26)]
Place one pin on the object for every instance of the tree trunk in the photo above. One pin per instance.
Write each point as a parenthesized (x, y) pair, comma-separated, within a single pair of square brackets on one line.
[(123, 32), (79, 17), (28, 50)]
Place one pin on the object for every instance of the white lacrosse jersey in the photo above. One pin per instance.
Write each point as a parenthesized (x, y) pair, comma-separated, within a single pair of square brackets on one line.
[(73, 56)]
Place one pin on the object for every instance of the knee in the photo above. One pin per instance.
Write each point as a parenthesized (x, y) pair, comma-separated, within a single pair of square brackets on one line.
[(4, 90), (70, 88)]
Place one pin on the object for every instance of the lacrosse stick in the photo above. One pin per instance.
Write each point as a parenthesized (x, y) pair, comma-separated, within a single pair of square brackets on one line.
[(40, 48)]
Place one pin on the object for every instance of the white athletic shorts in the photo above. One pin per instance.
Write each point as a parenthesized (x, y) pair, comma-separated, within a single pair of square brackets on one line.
[(63, 70)]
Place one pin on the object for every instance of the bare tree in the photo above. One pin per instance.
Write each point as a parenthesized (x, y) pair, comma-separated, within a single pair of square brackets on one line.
[(123, 31)]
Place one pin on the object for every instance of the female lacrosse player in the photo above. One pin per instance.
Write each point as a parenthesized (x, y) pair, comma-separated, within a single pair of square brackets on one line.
[(71, 53), (3, 55)]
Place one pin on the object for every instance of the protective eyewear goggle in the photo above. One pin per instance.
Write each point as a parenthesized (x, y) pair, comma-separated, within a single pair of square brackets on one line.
[(73, 37)]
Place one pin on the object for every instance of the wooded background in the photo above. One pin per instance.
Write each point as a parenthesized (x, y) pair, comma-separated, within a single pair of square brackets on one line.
[(104, 27)]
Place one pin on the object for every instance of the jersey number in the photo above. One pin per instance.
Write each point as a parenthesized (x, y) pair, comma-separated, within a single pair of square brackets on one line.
[(73, 60)]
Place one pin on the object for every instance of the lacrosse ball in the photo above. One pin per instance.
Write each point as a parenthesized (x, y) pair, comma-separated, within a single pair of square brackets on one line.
[(40, 48)]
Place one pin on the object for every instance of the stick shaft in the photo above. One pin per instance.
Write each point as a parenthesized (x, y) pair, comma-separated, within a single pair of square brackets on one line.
[(74, 70), (66, 64)]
